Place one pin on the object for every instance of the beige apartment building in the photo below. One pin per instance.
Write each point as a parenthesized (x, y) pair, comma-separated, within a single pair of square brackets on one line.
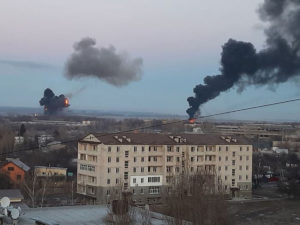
[(145, 164)]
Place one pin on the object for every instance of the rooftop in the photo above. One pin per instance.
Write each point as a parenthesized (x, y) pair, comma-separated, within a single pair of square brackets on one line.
[(69, 215), (18, 163), (164, 139)]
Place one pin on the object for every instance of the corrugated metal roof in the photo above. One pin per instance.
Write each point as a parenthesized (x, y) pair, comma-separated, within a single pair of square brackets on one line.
[(18, 163)]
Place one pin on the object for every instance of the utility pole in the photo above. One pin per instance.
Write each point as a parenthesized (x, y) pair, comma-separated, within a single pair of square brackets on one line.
[(72, 194)]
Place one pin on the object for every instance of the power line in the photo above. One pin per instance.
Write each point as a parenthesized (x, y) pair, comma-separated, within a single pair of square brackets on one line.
[(164, 124)]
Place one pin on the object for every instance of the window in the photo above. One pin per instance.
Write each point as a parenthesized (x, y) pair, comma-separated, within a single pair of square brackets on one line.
[(240, 177), (247, 177), (149, 169), (142, 180), (247, 167), (134, 159), (109, 149), (233, 182), (154, 168), (169, 158), (134, 180), (142, 191), (247, 157), (169, 168), (153, 179), (142, 169), (117, 180), (226, 168), (142, 159), (155, 148), (126, 164), (118, 148), (117, 170), (126, 154), (241, 167), (84, 147), (82, 156), (19, 177), (153, 190), (177, 149), (233, 154), (219, 168), (125, 175), (225, 177), (169, 148), (192, 159), (149, 158), (192, 149), (177, 169), (108, 192), (135, 149), (233, 162), (10, 169), (108, 170), (226, 148), (155, 158), (109, 159), (220, 158), (117, 159), (220, 148), (226, 158), (241, 148), (108, 181), (178, 159), (241, 158), (143, 148), (247, 148), (233, 172), (134, 169), (125, 185)]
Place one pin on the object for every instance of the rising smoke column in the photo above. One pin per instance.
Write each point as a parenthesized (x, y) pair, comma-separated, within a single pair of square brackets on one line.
[(106, 64), (53, 104), (243, 65)]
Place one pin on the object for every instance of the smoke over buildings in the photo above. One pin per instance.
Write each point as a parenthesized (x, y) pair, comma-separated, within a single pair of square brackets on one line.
[(242, 65), (107, 64), (53, 104)]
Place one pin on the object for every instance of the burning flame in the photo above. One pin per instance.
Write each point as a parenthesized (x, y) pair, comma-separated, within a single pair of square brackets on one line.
[(66, 102), (192, 120)]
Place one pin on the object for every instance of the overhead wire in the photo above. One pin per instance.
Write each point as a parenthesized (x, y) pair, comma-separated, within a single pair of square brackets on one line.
[(157, 125)]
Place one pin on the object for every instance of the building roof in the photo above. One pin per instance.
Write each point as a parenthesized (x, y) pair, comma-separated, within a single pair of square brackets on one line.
[(69, 215), (13, 194), (19, 163), (50, 167), (164, 139)]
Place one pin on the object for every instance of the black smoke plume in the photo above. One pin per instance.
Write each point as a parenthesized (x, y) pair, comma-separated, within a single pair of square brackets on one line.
[(53, 104), (242, 65), (106, 64)]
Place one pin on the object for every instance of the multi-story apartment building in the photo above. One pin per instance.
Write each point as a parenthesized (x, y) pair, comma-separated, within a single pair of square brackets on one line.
[(144, 163)]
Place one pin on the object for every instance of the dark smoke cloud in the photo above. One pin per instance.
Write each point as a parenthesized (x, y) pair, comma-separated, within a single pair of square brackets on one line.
[(242, 65), (53, 104), (106, 64)]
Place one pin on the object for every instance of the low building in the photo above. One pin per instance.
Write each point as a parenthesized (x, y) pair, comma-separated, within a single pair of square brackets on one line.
[(14, 195), (15, 169), (44, 171), (146, 163)]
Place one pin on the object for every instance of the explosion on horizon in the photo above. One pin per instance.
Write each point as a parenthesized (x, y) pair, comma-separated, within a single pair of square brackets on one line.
[(242, 65), (53, 104)]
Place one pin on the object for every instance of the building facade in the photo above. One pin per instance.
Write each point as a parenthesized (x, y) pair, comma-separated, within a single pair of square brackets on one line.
[(145, 164)]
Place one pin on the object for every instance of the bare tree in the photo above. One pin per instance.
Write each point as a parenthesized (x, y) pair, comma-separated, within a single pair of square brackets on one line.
[(197, 199), (30, 187)]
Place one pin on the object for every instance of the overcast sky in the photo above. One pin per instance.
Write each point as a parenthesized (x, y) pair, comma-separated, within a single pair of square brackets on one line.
[(179, 41)]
